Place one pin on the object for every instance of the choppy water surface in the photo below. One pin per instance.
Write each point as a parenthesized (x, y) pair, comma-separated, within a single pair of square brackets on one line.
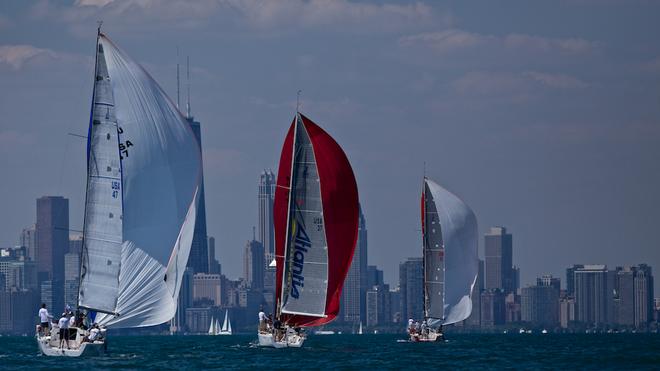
[(556, 351)]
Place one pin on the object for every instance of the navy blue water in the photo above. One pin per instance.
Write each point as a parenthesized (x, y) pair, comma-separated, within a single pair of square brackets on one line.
[(623, 351)]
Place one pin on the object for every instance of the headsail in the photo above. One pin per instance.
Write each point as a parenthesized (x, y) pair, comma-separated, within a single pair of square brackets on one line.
[(101, 258), (316, 222), (160, 169), (449, 229)]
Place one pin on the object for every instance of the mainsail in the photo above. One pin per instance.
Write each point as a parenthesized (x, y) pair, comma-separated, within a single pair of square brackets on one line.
[(316, 224), (144, 171), (449, 230)]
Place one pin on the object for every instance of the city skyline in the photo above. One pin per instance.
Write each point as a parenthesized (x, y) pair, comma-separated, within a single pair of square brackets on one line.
[(551, 133)]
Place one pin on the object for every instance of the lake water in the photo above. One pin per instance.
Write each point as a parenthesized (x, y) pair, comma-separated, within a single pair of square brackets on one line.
[(529, 351)]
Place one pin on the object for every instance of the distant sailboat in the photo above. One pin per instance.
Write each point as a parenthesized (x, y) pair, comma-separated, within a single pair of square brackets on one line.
[(316, 223), (449, 237), (213, 326), (360, 329), (143, 175), (226, 325)]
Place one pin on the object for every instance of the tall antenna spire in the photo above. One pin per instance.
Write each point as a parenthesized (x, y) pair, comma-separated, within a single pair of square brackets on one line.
[(188, 78), (254, 235), (298, 101), (178, 84)]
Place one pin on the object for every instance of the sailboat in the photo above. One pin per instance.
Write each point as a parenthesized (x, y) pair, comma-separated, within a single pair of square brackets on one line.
[(213, 326), (449, 238), (143, 177), (316, 225), (360, 329), (226, 325)]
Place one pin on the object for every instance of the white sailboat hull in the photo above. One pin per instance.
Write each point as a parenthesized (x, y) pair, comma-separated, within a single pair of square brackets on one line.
[(431, 336), (289, 341), (49, 346)]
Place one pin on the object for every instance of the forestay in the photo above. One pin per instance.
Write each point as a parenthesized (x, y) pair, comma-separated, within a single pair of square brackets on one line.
[(160, 174), (452, 246)]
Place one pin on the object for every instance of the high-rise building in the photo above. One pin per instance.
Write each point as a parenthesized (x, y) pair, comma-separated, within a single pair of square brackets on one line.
[(184, 301), (353, 296), (17, 271), (566, 311), (499, 260), (624, 296), (570, 279), (199, 251), (593, 294), (540, 304), (52, 243), (214, 265), (266, 197), (29, 240), (548, 280), (254, 265), (643, 296), (378, 305), (71, 278), (207, 286), (493, 309), (411, 288)]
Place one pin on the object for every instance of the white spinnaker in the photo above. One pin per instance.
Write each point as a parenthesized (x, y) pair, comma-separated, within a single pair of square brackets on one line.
[(161, 169), (101, 258), (459, 234)]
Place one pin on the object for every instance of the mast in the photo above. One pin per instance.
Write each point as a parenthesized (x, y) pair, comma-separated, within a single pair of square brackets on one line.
[(89, 130), (278, 309), (424, 222)]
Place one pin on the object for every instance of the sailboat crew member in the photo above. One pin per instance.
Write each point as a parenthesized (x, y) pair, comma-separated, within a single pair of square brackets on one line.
[(63, 324), (45, 318), (262, 320)]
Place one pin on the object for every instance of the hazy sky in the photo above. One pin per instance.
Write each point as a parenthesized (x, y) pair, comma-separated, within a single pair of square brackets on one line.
[(543, 116)]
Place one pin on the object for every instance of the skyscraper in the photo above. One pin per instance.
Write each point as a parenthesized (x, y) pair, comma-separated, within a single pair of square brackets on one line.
[(499, 260), (540, 303), (254, 265), (29, 240), (53, 242), (643, 296), (199, 251), (214, 266), (353, 300), (411, 287), (593, 294), (71, 278), (570, 279), (624, 296), (266, 197)]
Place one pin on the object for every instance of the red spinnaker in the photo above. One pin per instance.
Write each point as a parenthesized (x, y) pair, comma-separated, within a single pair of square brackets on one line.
[(340, 215)]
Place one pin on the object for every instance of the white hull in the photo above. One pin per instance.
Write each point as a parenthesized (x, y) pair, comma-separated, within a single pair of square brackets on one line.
[(49, 346), (431, 336), (224, 333), (291, 340)]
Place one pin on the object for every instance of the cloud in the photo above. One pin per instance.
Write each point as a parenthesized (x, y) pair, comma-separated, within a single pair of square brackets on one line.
[(277, 15), (518, 85), (455, 39), (556, 80), (447, 40), (17, 55)]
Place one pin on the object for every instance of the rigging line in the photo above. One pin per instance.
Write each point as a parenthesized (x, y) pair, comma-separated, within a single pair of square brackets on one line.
[(77, 135)]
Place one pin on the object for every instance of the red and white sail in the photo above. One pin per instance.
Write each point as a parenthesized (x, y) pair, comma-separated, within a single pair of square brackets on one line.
[(316, 225)]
